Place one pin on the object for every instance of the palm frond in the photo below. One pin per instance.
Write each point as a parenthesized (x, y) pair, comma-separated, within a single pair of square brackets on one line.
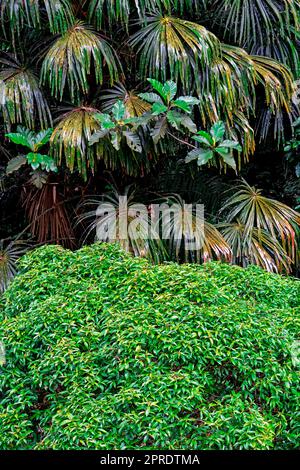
[(277, 82), (174, 48), (255, 247), (263, 27), (21, 99), (230, 90), (20, 13), (188, 235), (256, 211), (9, 254), (73, 57), (103, 220), (60, 15), (69, 143), (113, 10), (101, 12), (134, 105)]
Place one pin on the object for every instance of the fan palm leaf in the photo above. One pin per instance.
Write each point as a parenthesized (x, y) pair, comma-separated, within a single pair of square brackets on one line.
[(70, 145), (255, 247), (100, 11), (9, 255), (170, 46), (134, 105), (104, 216), (250, 24), (73, 57), (21, 99), (18, 13), (70, 140), (182, 225), (230, 93), (256, 211)]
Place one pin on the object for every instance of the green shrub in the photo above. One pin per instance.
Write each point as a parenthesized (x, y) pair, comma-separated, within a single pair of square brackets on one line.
[(104, 351)]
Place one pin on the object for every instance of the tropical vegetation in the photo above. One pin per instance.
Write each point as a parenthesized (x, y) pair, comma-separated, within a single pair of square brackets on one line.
[(105, 351), (142, 342)]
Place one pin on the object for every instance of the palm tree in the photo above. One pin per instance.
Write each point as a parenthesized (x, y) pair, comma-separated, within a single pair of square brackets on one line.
[(79, 48), (64, 61)]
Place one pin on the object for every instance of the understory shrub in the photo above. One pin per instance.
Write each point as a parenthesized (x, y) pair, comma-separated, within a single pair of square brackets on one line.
[(105, 351)]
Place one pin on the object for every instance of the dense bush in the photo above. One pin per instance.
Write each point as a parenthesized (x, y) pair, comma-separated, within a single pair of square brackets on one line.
[(105, 351)]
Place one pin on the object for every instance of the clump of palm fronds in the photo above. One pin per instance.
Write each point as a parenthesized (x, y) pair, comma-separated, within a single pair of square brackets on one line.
[(260, 230), (69, 61), (9, 255)]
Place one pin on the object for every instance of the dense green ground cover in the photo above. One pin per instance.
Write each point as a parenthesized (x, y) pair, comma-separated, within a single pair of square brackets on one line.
[(106, 351)]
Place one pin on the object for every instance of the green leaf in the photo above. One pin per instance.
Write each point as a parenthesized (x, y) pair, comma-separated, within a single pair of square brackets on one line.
[(33, 160), (189, 100), (158, 108), (42, 138), (170, 90), (119, 110), (229, 160), (174, 118), (232, 144), (15, 163), (187, 122), (133, 141), (20, 139), (226, 154), (218, 130), (159, 87), (115, 140), (182, 105), (105, 120), (202, 155), (192, 155), (98, 135), (204, 138), (159, 130), (45, 162), (223, 151), (150, 97)]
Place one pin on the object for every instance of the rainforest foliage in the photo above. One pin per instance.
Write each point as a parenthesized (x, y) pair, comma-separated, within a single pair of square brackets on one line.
[(107, 351), (169, 97)]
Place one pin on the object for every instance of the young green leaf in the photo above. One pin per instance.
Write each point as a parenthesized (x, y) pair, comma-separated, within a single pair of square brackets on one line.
[(170, 89), (158, 108), (20, 139), (150, 97), (182, 105), (218, 130), (119, 110), (159, 87), (204, 138)]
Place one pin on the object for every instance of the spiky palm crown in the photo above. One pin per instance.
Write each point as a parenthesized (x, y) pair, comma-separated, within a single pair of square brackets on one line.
[(210, 47)]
